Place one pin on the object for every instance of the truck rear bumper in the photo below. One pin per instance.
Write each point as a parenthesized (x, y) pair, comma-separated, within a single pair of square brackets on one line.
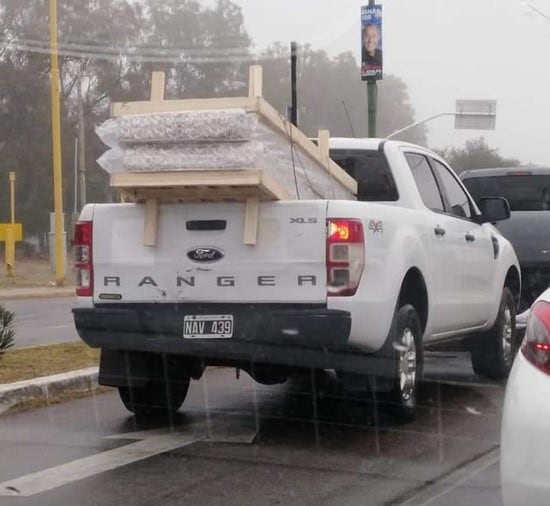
[(312, 336)]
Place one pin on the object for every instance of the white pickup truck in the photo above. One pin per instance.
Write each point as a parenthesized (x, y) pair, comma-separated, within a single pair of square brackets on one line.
[(359, 287)]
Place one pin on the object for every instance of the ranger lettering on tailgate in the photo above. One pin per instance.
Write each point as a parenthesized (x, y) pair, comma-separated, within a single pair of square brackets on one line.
[(263, 281)]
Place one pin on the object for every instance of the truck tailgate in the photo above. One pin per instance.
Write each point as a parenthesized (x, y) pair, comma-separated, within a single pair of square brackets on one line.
[(200, 255)]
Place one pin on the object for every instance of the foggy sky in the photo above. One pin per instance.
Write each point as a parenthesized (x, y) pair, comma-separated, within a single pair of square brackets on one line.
[(444, 50)]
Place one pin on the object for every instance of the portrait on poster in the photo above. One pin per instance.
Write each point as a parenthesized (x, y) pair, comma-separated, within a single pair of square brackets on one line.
[(371, 42)]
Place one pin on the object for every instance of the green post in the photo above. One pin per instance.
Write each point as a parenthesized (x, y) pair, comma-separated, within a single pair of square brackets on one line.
[(372, 97)]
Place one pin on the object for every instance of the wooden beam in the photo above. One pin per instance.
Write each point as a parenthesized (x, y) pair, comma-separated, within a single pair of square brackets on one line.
[(196, 104), (251, 221), (273, 118), (168, 181), (255, 81), (324, 145), (187, 178), (157, 86), (151, 222)]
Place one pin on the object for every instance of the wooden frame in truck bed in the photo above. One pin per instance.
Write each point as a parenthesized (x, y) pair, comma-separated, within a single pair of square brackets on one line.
[(248, 185)]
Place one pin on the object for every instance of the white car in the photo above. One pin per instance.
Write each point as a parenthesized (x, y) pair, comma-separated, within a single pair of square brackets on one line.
[(525, 441)]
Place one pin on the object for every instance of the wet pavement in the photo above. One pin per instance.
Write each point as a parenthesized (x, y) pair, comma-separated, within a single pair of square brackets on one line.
[(237, 442)]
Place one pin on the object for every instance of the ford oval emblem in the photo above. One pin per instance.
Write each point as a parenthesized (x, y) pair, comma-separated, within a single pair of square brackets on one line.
[(205, 254)]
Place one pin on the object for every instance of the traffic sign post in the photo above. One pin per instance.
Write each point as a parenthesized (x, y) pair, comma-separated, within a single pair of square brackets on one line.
[(11, 232)]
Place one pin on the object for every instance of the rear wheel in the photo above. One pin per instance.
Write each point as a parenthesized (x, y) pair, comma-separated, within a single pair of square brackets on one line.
[(493, 351), (157, 398), (408, 359)]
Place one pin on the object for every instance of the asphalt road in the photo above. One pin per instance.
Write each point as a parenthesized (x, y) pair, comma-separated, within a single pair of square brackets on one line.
[(42, 321), (238, 443)]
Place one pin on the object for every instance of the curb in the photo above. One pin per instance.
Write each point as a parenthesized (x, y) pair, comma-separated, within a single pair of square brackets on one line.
[(36, 293), (45, 387)]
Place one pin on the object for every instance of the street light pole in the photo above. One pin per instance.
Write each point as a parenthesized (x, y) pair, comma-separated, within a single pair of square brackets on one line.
[(421, 122), (56, 148), (81, 146), (438, 115), (75, 206)]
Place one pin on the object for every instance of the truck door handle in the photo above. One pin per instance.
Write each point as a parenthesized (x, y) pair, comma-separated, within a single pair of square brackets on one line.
[(439, 231), (470, 237)]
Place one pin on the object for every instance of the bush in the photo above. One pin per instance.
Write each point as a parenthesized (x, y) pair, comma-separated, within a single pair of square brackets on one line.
[(7, 333)]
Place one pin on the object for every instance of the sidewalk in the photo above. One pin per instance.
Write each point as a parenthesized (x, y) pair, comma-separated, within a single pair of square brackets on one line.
[(39, 292), (47, 387)]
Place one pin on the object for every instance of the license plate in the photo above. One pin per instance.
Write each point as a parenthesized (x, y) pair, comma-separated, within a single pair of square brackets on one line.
[(208, 326)]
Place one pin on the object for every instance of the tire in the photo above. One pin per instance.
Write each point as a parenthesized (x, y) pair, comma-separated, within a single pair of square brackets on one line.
[(158, 398), (493, 352), (408, 357)]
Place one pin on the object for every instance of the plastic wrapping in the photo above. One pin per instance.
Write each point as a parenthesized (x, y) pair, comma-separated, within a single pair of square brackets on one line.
[(213, 140), (205, 155), (220, 125)]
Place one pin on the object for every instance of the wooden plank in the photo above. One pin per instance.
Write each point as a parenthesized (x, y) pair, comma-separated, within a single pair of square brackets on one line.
[(255, 81), (145, 107), (273, 118), (273, 188), (251, 221), (199, 186), (324, 145), (157, 86), (245, 177), (151, 222), (200, 194)]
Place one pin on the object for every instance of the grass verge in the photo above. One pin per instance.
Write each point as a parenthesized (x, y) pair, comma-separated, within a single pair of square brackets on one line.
[(27, 363), (31, 272)]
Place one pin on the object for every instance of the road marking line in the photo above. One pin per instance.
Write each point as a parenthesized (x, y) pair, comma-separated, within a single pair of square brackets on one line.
[(440, 488), (77, 470), (153, 443)]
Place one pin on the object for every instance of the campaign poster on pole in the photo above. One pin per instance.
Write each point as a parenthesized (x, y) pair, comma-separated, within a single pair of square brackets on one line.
[(371, 42)]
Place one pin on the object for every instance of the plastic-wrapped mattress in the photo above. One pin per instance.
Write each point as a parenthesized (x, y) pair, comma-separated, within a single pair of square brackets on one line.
[(213, 140)]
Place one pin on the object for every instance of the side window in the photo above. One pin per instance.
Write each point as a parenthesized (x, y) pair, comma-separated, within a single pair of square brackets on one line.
[(425, 181), (458, 200)]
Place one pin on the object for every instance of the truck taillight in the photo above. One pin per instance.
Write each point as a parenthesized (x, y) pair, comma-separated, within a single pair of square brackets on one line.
[(536, 345), (345, 256), (82, 250)]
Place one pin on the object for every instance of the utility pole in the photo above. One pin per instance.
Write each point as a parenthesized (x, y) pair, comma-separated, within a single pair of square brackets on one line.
[(372, 97), (81, 147), (75, 176), (293, 83), (12, 197), (56, 148)]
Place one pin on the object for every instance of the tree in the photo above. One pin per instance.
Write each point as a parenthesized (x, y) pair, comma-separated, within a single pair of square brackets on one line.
[(108, 48), (7, 333), (328, 86), (476, 154)]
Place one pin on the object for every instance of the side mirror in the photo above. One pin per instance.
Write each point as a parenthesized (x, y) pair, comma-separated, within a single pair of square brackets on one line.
[(494, 209)]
